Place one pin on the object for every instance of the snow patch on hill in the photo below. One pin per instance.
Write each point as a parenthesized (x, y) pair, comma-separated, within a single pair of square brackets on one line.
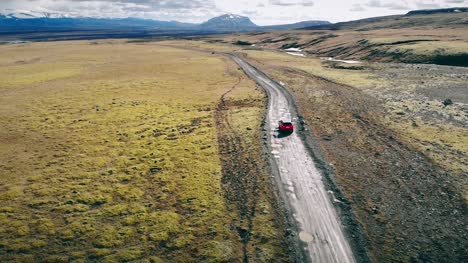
[(31, 14)]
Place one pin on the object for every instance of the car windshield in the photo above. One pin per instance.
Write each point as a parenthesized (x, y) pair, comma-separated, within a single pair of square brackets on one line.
[(287, 123)]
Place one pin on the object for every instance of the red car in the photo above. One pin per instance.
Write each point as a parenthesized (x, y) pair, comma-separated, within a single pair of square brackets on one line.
[(285, 126)]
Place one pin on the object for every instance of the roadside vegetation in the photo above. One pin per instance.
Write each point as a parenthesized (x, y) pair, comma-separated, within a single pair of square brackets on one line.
[(246, 182), (399, 155), (395, 138), (110, 153)]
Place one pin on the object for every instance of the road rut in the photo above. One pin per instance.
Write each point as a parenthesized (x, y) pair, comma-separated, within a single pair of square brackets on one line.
[(312, 205)]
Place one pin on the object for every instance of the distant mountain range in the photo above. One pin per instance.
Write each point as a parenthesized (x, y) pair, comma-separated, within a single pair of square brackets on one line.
[(438, 11), (18, 21), (453, 17), (24, 14)]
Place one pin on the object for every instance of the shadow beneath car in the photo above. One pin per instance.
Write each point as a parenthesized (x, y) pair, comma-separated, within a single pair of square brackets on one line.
[(283, 134)]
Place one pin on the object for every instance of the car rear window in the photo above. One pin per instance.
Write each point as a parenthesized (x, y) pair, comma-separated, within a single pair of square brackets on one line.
[(287, 123)]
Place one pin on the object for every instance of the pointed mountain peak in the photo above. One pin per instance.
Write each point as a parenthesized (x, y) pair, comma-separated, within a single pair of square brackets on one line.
[(229, 22)]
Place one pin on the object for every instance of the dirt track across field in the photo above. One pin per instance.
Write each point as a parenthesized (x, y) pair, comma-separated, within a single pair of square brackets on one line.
[(299, 179)]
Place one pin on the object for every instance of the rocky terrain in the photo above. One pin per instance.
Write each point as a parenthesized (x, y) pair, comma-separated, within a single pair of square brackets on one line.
[(397, 146), (395, 140), (427, 38)]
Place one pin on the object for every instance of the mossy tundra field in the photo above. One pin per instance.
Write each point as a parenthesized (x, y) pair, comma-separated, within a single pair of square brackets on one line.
[(109, 152)]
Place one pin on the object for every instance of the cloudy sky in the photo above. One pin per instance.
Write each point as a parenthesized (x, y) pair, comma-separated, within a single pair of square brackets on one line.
[(262, 12)]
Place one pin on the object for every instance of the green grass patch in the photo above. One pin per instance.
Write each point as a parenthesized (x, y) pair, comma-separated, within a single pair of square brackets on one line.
[(113, 159)]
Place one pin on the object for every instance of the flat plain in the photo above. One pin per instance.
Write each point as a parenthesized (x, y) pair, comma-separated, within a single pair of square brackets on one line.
[(110, 153), (150, 150)]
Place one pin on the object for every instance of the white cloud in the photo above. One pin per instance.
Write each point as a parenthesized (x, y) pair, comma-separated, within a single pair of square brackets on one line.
[(357, 8), (392, 5), (292, 2), (428, 4)]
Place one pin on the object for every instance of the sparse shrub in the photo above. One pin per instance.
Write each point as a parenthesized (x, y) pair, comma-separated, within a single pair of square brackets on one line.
[(38, 243), (67, 234), (7, 210), (67, 208), (108, 238), (116, 210), (219, 251), (155, 260), (24, 258), (100, 252), (9, 195), (134, 219), (93, 199), (39, 203), (82, 225), (290, 45), (129, 254), (242, 43), (44, 226), (17, 245), (128, 192), (447, 102), (57, 259), (21, 230), (110, 259), (78, 256)]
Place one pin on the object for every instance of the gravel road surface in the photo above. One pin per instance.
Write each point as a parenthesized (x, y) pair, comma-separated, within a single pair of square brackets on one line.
[(312, 206)]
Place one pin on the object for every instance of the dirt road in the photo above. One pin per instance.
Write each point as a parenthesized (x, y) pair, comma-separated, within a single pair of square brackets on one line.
[(300, 180)]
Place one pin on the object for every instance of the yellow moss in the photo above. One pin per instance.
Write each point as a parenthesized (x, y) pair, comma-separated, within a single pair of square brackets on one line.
[(21, 230), (100, 252), (57, 259), (167, 222), (81, 225), (17, 245), (94, 198), (446, 145), (134, 219), (129, 254), (67, 234), (128, 192), (156, 260), (38, 243), (78, 256), (24, 259), (22, 75), (103, 141), (219, 251), (9, 195), (7, 210), (108, 238), (72, 208), (110, 259), (40, 202), (44, 226)]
